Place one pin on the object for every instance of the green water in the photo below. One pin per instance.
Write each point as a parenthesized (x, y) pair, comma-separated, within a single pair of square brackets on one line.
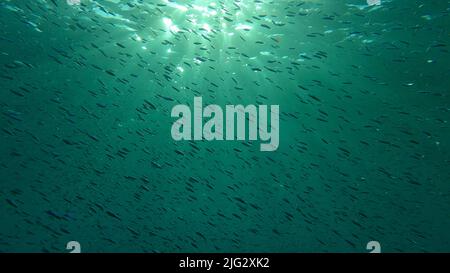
[(87, 153)]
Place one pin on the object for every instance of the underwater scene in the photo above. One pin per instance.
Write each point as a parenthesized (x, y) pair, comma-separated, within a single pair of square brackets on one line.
[(224, 126)]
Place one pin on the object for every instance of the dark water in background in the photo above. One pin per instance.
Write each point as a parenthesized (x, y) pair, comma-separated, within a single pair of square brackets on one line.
[(87, 155)]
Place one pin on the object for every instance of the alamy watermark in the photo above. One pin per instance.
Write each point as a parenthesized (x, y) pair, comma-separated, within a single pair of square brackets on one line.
[(236, 117)]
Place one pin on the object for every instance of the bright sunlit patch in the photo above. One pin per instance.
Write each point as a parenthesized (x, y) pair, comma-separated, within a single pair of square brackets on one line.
[(373, 2), (177, 6), (206, 27), (179, 68), (243, 27), (174, 28), (180, 7), (200, 8), (73, 2), (193, 20), (167, 22)]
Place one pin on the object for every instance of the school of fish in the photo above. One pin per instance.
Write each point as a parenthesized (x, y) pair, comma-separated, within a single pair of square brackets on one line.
[(88, 86)]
